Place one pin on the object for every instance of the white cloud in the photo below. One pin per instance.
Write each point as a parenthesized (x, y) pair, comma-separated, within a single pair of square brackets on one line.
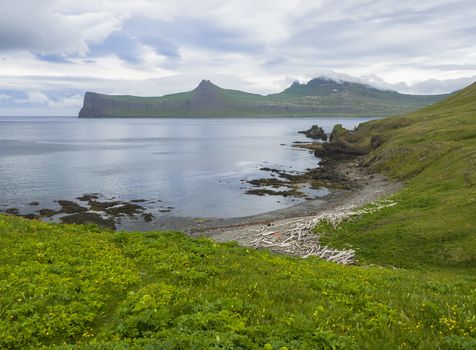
[(39, 27), (95, 27), (34, 97), (68, 101), (150, 47), (39, 98)]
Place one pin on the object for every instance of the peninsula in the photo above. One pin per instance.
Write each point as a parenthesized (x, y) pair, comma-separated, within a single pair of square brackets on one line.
[(319, 97)]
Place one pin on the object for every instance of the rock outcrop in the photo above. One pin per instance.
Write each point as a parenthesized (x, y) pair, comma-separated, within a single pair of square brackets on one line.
[(340, 146), (315, 132)]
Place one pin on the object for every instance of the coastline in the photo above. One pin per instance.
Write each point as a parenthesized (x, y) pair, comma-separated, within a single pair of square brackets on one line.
[(348, 182), (365, 187)]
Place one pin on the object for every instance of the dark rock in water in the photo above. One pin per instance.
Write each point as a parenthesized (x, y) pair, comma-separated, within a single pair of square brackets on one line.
[(47, 212), (102, 206), (148, 217), (30, 216), (315, 132), (34, 203), (89, 218), (124, 209), (12, 211), (165, 210), (268, 192), (69, 207), (88, 197), (272, 182), (138, 201)]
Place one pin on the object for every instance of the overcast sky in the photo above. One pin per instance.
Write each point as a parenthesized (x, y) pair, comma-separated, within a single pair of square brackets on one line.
[(52, 51)]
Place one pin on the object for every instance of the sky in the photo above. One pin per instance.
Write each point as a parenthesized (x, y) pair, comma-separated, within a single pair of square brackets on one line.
[(53, 51)]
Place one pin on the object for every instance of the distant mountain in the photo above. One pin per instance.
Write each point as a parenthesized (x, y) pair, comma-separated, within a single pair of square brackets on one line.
[(320, 96)]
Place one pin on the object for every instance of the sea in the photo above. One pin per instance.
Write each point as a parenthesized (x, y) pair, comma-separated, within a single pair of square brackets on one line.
[(195, 167)]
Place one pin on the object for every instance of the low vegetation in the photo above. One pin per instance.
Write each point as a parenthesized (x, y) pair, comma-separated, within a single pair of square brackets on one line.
[(68, 287)]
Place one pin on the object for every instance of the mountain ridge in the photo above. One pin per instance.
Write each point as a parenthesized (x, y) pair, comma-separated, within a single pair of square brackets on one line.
[(319, 96)]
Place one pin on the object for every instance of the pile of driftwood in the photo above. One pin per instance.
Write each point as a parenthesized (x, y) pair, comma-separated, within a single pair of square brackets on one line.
[(297, 236)]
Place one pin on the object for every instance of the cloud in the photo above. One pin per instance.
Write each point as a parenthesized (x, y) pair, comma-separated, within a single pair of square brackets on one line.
[(38, 27), (435, 86), (62, 48), (39, 98)]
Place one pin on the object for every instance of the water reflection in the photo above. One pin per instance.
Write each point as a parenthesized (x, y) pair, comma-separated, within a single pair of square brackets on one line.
[(195, 165)]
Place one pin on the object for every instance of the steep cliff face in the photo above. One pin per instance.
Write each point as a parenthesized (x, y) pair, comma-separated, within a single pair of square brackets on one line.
[(318, 97), (92, 105), (98, 105)]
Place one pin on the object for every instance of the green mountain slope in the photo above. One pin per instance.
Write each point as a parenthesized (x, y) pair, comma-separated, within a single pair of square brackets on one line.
[(433, 151), (318, 97)]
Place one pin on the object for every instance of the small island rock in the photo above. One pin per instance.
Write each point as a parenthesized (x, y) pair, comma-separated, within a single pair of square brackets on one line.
[(315, 132)]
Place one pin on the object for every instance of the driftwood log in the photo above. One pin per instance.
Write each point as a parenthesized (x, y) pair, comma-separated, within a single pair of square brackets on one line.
[(297, 237)]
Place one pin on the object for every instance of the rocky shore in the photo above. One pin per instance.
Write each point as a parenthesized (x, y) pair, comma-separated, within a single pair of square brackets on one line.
[(342, 167), (358, 187)]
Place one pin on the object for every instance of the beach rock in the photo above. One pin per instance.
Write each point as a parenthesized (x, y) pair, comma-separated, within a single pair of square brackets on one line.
[(12, 211), (88, 197), (34, 203), (102, 206), (124, 209), (69, 207), (89, 218), (148, 217), (339, 150), (47, 212), (29, 216)]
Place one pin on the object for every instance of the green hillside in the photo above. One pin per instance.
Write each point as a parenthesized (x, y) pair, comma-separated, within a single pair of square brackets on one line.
[(433, 151), (81, 287), (78, 287), (318, 97)]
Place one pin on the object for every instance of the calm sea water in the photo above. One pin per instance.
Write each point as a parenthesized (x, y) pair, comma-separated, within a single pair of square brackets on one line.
[(195, 165)]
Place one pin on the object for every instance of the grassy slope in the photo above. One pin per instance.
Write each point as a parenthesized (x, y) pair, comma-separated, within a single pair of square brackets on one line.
[(433, 151), (73, 286)]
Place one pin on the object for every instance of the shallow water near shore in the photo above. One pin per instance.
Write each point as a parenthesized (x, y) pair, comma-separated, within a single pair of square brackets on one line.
[(193, 167)]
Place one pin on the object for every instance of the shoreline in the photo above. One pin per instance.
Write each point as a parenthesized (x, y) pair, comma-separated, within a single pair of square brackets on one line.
[(349, 183), (366, 187)]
